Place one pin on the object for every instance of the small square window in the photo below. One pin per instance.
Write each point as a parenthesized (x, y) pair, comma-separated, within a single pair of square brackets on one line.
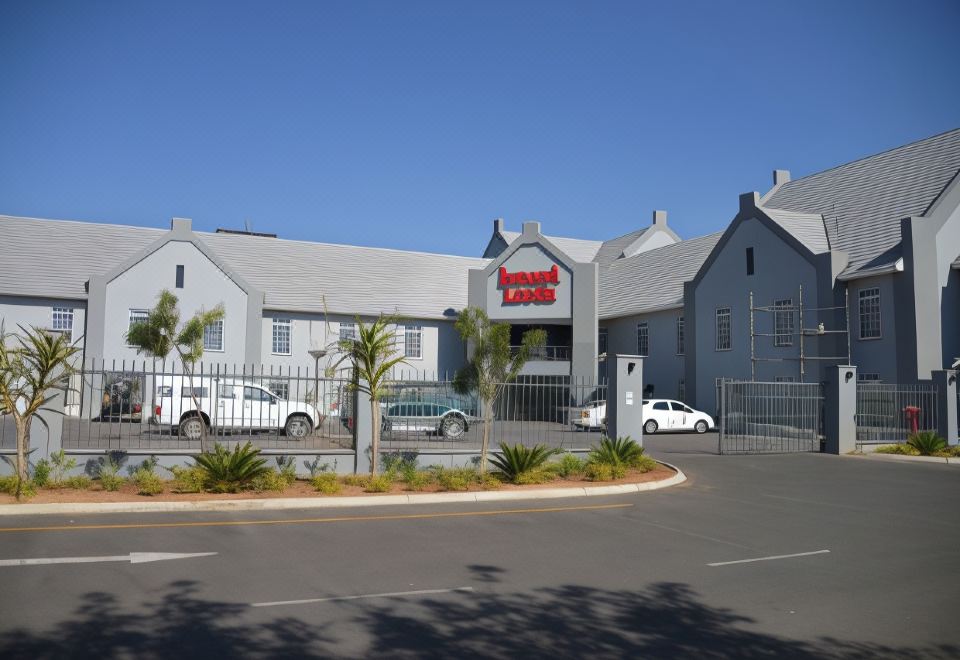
[(348, 331), (62, 321), (179, 277)]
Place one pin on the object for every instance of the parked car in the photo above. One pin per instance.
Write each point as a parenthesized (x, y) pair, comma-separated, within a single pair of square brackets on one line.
[(228, 405), (658, 415), (668, 415), (422, 417)]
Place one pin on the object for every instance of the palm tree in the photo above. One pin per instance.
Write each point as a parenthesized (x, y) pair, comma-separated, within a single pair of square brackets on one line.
[(493, 363), (373, 355), (159, 334), (31, 365)]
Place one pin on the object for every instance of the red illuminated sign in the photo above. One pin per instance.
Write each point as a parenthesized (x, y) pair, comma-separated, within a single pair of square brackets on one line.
[(529, 286)]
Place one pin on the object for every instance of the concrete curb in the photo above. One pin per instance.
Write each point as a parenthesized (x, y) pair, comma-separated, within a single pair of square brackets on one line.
[(916, 459), (277, 504)]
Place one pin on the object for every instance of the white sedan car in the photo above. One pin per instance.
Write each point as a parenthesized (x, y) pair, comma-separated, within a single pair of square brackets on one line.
[(669, 415)]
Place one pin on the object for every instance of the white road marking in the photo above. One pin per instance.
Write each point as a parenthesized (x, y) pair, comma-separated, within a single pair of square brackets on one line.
[(747, 561), (392, 594), (133, 558)]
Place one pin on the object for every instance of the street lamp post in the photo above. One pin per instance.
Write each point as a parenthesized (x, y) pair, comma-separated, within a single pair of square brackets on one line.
[(316, 354)]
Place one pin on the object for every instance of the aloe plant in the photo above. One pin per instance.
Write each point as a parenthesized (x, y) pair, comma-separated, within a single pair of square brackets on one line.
[(927, 443), (513, 462), (228, 471)]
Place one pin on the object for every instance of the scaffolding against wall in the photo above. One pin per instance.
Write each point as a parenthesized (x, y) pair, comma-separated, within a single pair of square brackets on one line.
[(801, 332)]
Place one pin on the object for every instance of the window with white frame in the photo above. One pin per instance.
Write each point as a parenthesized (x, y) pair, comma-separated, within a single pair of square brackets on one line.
[(413, 341), (783, 322), (213, 336), (869, 313), (348, 331), (281, 336), (602, 339), (724, 342), (643, 338), (137, 316), (681, 347), (280, 387), (62, 320)]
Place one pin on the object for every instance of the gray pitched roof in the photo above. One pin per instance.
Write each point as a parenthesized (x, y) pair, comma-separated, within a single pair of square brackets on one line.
[(54, 258), (578, 249), (653, 279), (613, 249), (808, 228), (864, 201)]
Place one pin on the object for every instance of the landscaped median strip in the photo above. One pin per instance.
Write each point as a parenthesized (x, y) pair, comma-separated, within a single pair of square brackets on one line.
[(269, 504)]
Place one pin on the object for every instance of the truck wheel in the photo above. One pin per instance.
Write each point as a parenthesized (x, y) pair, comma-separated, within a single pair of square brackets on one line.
[(452, 427), (298, 426), (191, 428)]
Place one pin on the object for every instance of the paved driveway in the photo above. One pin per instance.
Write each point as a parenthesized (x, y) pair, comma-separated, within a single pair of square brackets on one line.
[(803, 555)]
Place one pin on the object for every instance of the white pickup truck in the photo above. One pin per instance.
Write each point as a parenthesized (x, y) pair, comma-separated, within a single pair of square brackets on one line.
[(227, 404)]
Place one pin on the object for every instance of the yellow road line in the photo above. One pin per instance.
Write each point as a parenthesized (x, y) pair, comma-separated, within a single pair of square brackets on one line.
[(295, 521)]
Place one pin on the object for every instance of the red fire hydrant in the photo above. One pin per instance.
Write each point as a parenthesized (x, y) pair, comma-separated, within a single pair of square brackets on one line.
[(913, 417)]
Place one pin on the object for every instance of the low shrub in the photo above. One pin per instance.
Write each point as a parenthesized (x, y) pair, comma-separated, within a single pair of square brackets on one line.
[(272, 481), (570, 465), (514, 461), (379, 484), (109, 474), (605, 471), (902, 450), (41, 473), (147, 482), (8, 485), (616, 451), (78, 482), (231, 471), (188, 479), (59, 466), (287, 467), (489, 482), (315, 467), (455, 479), (645, 464), (399, 465), (927, 443), (538, 476), (418, 480), (326, 483), (360, 480)]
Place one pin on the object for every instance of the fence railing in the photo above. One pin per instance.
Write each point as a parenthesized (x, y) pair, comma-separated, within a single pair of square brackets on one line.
[(885, 411), (142, 406), (756, 418), (547, 353), (559, 411)]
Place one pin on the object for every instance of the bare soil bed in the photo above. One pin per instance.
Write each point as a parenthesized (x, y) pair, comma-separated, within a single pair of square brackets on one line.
[(300, 488)]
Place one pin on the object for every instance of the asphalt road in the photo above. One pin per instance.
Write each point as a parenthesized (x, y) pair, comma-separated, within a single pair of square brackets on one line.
[(628, 576)]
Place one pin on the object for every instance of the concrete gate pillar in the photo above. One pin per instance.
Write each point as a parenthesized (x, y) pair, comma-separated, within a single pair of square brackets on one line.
[(840, 409), (625, 397), (946, 382), (362, 433)]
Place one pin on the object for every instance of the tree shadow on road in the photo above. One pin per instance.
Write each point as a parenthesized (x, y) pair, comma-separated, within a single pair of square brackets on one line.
[(664, 620)]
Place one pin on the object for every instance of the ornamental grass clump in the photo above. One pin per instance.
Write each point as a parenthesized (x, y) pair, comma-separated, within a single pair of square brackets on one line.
[(379, 484), (326, 483), (455, 479), (621, 452), (521, 464), (147, 482), (108, 472), (228, 471)]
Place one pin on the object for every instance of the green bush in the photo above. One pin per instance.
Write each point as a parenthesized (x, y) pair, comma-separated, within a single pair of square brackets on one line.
[(455, 479), (512, 462), (489, 482), (399, 465), (617, 451), (315, 467), (147, 482), (188, 479), (927, 443), (109, 474), (605, 471), (79, 482), (360, 480), (418, 480), (379, 484), (270, 480), (538, 476), (902, 450), (231, 471), (570, 465), (59, 466), (287, 467), (41, 473), (8, 485), (326, 483)]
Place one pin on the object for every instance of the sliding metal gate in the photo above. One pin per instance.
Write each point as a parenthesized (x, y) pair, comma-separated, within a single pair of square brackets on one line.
[(770, 418)]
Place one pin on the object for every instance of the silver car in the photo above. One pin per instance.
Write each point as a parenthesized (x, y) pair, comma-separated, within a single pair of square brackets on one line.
[(422, 417)]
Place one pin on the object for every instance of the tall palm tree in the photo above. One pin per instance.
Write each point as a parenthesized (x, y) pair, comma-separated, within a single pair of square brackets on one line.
[(373, 355), (492, 364), (33, 368)]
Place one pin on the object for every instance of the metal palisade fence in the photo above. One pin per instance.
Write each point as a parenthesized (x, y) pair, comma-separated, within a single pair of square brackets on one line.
[(758, 418), (887, 412), (147, 406), (557, 411)]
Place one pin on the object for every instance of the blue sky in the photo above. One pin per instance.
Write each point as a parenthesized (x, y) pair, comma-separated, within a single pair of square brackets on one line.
[(414, 124)]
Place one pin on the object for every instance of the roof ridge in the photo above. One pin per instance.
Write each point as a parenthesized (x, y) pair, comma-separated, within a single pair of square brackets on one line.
[(653, 251), (868, 157), (95, 223)]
